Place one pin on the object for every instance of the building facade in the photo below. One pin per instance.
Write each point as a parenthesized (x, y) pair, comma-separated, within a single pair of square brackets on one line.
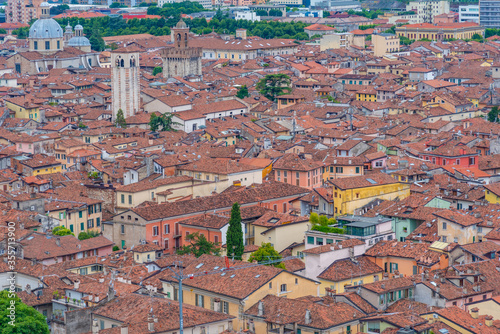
[(426, 10), (181, 60), (384, 43), (468, 13), (22, 11), (433, 32), (489, 13), (125, 79)]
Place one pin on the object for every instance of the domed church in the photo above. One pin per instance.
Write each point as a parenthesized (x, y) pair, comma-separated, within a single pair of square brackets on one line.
[(50, 47)]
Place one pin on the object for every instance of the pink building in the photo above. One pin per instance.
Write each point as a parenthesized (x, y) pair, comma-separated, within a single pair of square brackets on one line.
[(298, 171)]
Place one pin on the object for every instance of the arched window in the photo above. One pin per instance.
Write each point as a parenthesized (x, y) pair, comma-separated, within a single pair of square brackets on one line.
[(122, 63), (186, 39), (179, 37)]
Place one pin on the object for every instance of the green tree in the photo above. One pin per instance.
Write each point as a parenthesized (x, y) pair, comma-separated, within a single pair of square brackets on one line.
[(115, 248), (3, 31), (477, 37), (157, 70), (266, 253), (273, 85), (199, 245), (164, 122), (61, 231), (56, 10), (234, 235), (116, 5), (120, 120), (27, 319), (326, 13), (242, 92), (493, 115), (87, 235), (314, 218)]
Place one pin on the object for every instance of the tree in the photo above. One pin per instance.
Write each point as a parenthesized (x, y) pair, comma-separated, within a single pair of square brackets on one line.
[(265, 253), (116, 248), (234, 235), (3, 31), (164, 122), (199, 245), (326, 13), (120, 120), (242, 92), (273, 85), (116, 5), (27, 319), (61, 231), (87, 235), (157, 69), (56, 10), (493, 114)]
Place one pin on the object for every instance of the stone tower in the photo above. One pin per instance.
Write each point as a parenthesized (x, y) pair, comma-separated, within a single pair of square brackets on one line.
[(125, 80), (181, 60)]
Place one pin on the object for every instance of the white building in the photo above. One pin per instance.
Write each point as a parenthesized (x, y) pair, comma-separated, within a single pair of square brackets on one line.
[(207, 4), (426, 10), (468, 13), (246, 15)]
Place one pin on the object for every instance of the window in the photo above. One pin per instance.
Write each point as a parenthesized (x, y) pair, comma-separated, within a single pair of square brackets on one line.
[(444, 225), (296, 281), (80, 214), (199, 300), (339, 170), (310, 240), (129, 199), (122, 229), (47, 45), (71, 228), (155, 231), (225, 307), (35, 45), (166, 228), (319, 241), (165, 243), (82, 226), (283, 288), (216, 239), (58, 44), (270, 285), (187, 233)]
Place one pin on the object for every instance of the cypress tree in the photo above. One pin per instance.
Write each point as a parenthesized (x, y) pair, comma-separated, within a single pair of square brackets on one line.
[(234, 235)]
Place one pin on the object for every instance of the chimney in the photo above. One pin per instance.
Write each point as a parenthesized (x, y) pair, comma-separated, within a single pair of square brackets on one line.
[(308, 317), (261, 309), (58, 242), (95, 326), (151, 323), (488, 320), (474, 313), (76, 284)]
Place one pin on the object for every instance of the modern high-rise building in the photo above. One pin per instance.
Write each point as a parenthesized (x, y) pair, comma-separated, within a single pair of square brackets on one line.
[(489, 13), (469, 13), (22, 11), (125, 81), (426, 10)]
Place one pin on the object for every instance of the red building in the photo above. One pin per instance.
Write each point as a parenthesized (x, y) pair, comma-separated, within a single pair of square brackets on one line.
[(452, 154), (292, 169)]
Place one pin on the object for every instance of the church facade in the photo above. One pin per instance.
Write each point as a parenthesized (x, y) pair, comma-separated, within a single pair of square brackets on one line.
[(50, 48), (181, 60)]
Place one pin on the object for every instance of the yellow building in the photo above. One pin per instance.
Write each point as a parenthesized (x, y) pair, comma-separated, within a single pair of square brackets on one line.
[(439, 32), (234, 291), (492, 193), (279, 229), (455, 226), (349, 272), (384, 43), (352, 193), (24, 108), (39, 164), (368, 94), (78, 214), (342, 167)]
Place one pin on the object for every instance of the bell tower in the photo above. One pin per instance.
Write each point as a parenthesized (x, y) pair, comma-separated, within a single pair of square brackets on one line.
[(181, 60), (125, 78)]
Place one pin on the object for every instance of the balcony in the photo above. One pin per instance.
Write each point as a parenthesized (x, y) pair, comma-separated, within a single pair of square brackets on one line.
[(70, 302)]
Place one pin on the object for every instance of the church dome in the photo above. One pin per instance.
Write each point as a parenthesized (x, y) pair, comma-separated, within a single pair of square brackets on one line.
[(78, 41), (181, 24), (78, 27), (45, 28)]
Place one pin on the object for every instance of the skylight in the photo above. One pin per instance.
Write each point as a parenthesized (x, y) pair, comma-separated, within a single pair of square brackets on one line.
[(199, 266), (371, 181)]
